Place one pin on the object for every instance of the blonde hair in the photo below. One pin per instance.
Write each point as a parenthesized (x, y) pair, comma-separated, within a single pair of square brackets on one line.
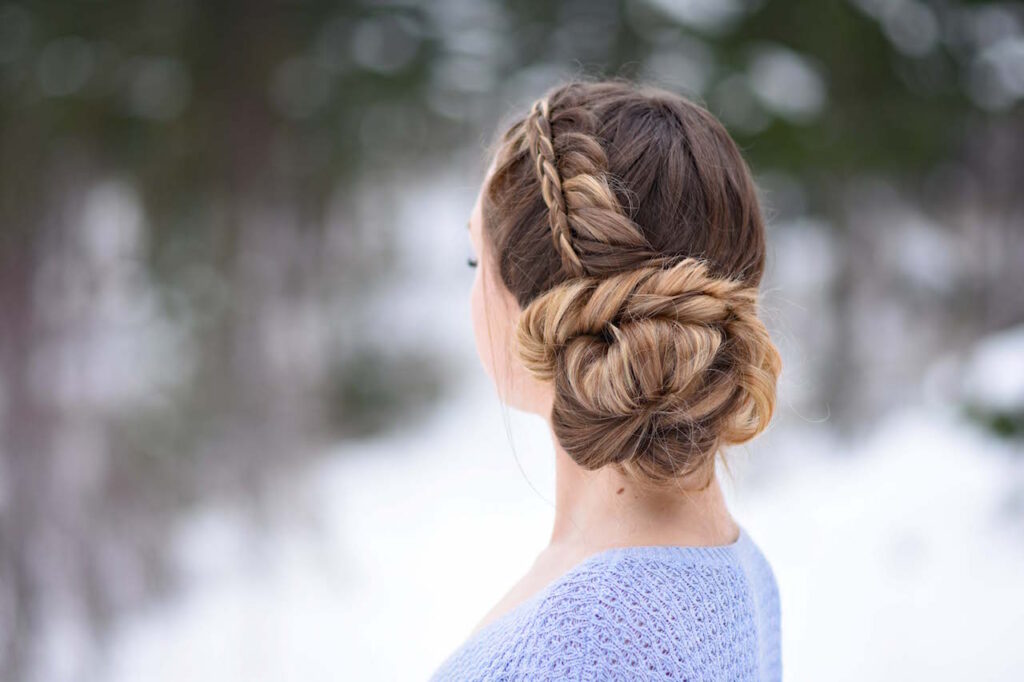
[(627, 226)]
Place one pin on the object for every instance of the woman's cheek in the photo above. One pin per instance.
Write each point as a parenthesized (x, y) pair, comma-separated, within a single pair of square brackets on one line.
[(479, 318)]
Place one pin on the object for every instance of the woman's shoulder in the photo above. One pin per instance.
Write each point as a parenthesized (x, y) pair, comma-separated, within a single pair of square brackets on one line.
[(692, 612), (633, 612), (653, 585), (663, 579)]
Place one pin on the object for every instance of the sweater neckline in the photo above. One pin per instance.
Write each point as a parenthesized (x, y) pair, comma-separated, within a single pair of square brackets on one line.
[(714, 554)]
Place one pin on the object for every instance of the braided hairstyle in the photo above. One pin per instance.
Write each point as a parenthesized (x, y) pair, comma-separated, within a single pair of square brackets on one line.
[(627, 226)]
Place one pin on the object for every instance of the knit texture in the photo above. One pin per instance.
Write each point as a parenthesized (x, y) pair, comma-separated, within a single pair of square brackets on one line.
[(655, 612)]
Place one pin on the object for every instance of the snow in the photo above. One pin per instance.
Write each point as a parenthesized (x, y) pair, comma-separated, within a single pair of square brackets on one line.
[(994, 373), (895, 556)]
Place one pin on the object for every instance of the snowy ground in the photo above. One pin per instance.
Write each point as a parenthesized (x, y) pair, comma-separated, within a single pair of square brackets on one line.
[(897, 558)]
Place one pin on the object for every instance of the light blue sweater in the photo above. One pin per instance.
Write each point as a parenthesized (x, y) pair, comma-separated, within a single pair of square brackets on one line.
[(638, 613)]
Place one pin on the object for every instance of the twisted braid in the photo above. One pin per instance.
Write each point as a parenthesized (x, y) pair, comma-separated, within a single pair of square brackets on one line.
[(590, 230), (538, 137), (654, 368)]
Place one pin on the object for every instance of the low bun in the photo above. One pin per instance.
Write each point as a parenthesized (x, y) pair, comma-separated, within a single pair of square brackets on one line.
[(628, 229), (654, 369)]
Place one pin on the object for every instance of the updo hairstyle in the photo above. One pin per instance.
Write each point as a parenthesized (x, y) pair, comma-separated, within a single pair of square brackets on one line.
[(626, 224)]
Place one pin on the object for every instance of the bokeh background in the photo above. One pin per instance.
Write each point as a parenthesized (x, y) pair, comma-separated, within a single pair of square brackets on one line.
[(244, 434)]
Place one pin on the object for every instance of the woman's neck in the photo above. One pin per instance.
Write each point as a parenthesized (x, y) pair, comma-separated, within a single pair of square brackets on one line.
[(595, 510)]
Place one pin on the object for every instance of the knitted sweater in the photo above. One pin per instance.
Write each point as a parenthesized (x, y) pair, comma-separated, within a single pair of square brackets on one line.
[(649, 612)]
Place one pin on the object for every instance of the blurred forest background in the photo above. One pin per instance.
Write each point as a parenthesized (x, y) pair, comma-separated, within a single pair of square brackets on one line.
[(230, 233)]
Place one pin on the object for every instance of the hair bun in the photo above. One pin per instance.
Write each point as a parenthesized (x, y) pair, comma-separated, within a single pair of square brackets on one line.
[(654, 369)]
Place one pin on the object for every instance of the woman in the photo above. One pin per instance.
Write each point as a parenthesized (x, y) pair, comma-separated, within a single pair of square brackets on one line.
[(619, 246)]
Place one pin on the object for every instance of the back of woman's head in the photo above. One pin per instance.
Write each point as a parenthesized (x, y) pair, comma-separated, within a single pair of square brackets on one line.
[(625, 223)]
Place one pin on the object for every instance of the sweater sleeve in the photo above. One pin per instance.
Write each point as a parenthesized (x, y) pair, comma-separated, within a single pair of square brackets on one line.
[(623, 638), (599, 626)]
